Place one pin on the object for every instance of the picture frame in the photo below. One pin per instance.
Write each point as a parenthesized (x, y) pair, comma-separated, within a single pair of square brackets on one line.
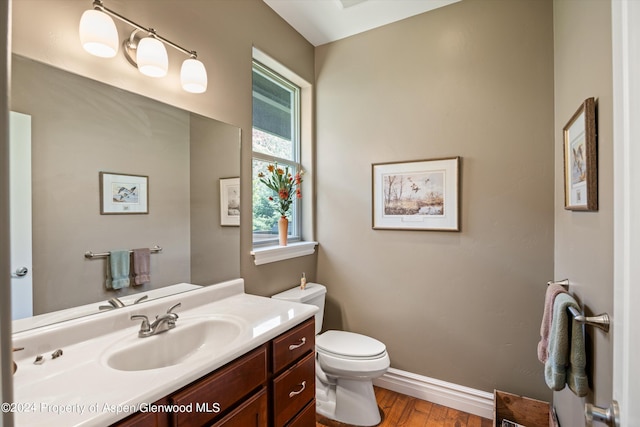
[(416, 195), (122, 193), (580, 159), (230, 202)]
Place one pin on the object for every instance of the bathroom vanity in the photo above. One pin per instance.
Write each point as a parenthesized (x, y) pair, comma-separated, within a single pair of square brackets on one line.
[(281, 371), (232, 359)]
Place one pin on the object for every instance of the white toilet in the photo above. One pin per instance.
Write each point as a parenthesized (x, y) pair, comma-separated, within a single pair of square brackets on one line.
[(346, 364)]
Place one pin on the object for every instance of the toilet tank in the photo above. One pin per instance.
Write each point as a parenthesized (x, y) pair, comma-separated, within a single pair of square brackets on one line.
[(313, 293)]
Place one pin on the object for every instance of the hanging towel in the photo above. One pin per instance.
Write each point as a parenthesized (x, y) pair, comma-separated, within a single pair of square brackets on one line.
[(543, 346), (567, 359), (118, 270), (141, 266)]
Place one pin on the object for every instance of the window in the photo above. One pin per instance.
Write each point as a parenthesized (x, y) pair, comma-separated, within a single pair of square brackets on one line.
[(275, 139)]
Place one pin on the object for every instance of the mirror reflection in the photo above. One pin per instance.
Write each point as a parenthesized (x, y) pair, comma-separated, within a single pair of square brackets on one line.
[(80, 128)]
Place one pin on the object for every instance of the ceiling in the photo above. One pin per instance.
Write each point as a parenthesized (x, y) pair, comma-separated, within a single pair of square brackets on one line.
[(324, 21)]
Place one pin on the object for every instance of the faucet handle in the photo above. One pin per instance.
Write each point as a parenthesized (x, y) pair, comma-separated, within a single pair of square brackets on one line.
[(144, 327), (173, 307), (142, 298)]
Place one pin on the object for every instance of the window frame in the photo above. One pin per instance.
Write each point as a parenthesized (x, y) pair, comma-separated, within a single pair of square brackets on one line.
[(295, 163)]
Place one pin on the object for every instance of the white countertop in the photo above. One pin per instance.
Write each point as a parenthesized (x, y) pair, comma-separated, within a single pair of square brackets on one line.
[(80, 389)]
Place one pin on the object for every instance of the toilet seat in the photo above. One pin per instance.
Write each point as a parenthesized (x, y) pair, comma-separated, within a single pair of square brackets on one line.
[(349, 345)]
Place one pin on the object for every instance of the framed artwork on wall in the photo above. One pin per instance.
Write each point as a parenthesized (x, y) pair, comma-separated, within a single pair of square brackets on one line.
[(123, 194), (581, 159), (230, 202), (417, 195)]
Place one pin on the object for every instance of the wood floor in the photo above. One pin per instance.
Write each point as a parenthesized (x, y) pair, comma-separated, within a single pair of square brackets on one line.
[(405, 411)]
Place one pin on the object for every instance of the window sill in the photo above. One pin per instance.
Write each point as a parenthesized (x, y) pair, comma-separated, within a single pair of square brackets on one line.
[(268, 254)]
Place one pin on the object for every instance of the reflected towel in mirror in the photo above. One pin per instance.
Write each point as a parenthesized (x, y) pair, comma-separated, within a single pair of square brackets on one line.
[(118, 270), (141, 266)]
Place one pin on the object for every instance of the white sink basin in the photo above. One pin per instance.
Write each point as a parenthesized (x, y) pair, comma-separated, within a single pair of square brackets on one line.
[(190, 338)]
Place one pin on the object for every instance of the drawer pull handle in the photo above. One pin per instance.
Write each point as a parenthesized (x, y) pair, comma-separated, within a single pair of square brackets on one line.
[(303, 341), (295, 393)]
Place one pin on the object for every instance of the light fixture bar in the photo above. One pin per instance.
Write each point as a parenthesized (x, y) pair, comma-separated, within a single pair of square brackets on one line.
[(98, 5)]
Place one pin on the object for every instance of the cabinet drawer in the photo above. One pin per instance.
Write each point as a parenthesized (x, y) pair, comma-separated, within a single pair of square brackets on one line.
[(252, 413), (293, 344), (294, 389), (306, 418), (224, 387)]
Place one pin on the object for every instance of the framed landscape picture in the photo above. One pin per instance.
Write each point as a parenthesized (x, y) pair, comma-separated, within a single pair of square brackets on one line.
[(230, 202), (417, 195)]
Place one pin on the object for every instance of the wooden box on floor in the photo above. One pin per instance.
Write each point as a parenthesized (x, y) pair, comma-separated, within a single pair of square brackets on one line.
[(521, 410)]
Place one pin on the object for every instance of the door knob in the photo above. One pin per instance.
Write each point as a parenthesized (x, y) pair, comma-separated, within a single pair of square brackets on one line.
[(609, 416), (21, 272)]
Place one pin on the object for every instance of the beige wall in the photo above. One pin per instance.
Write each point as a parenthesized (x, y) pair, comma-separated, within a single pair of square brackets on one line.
[(223, 33), (584, 240), (214, 248), (474, 79)]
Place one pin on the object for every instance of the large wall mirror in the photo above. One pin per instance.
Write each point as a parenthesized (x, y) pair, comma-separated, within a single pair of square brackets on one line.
[(80, 127)]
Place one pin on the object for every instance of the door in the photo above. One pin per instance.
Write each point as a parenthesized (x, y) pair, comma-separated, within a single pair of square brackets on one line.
[(20, 215), (626, 316)]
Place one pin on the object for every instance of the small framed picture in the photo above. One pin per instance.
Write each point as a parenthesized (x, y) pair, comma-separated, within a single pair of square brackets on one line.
[(580, 159), (417, 195), (230, 202), (123, 194)]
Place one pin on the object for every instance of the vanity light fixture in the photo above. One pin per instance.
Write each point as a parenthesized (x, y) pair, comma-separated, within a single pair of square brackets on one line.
[(144, 48)]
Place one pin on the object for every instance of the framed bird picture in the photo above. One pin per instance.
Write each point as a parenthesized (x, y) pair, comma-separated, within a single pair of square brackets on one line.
[(581, 159), (416, 195), (123, 194)]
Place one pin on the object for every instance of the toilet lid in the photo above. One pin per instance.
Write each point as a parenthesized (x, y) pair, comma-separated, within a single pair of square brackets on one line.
[(349, 344)]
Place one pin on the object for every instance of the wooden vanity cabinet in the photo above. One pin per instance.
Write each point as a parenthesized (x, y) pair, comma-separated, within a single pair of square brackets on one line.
[(220, 390), (147, 419), (294, 376), (273, 385)]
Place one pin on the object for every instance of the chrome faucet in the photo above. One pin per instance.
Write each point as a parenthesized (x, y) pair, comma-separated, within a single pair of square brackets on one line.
[(113, 303), (117, 303), (163, 322)]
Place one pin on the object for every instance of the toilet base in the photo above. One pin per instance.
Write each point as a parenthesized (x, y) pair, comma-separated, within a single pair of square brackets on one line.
[(348, 401)]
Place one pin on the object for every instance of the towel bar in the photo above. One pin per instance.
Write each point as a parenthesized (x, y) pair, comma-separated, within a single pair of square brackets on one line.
[(91, 255), (600, 321), (564, 283)]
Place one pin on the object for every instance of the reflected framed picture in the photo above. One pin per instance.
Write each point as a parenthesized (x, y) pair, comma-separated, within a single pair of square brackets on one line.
[(123, 194), (581, 159), (417, 195), (230, 202)]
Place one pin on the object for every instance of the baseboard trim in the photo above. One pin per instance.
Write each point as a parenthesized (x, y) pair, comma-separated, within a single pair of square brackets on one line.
[(455, 396)]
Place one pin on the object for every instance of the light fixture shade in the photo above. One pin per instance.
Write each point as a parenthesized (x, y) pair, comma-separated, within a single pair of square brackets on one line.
[(151, 56), (98, 34), (193, 76)]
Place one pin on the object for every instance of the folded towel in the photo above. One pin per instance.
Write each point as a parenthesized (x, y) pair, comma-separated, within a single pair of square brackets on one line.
[(543, 346), (118, 270), (567, 358), (141, 266)]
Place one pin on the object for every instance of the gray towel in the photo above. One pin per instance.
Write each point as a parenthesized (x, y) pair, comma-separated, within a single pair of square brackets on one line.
[(567, 359), (141, 266), (118, 270)]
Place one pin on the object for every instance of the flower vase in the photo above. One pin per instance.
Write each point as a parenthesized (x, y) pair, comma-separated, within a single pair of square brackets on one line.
[(283, 230)]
